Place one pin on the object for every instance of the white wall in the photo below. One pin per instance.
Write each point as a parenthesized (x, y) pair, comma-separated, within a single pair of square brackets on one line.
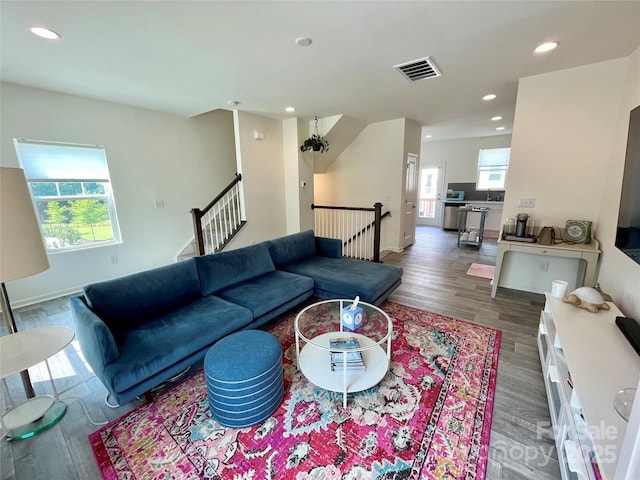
[(619, 275), (306, 194), (460, 156), (262, 167), (298, 168), (291, 174), (371, 170), (567, 152), (562, 139), (152, 156), (412, 137)]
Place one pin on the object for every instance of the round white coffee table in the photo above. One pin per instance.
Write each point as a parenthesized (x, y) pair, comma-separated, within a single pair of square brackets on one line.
[(18, 352), (317, 324)]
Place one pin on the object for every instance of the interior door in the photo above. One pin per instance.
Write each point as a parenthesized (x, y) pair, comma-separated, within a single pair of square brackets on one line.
[(410, 200), (430, 195)]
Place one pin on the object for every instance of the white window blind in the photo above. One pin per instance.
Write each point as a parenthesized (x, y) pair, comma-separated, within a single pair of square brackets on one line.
[(46, 161), (493, 164)]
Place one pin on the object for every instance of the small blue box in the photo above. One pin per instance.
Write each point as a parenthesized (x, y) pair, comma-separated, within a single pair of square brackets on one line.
[(352, 319)]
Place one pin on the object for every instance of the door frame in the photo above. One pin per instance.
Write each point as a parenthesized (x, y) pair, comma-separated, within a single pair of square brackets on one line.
[(439, 212), (410, 211)]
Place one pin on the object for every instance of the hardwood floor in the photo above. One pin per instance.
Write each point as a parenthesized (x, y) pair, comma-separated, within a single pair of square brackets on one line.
[(434, 279)]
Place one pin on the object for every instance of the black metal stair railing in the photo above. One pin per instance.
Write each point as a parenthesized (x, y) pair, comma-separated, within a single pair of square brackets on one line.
[(216, 224)]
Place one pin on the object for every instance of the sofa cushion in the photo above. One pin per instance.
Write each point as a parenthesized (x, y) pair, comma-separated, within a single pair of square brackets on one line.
[(292, 248), (329, 247), (220, 270), (263, 294), (132, 299), (154, 346), (347, 277)]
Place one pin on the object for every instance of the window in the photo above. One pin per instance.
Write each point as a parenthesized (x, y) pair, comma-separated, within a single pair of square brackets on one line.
[(493, 164), (71, 191), (428, 192)]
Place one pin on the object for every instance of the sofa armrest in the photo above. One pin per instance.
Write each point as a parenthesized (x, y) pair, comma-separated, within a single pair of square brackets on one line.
[(329, 247), (96, 340)]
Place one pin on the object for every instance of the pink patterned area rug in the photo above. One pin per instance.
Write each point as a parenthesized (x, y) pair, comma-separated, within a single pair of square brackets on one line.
[(429, 418), (480, 270)]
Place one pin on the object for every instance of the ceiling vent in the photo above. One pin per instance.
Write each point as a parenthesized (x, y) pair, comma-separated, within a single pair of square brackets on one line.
[(418, 69)]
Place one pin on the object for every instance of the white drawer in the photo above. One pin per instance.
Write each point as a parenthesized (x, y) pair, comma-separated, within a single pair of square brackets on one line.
[(540, 250)]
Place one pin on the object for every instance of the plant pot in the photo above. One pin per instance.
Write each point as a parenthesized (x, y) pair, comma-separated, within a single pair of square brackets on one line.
[(316, 148)]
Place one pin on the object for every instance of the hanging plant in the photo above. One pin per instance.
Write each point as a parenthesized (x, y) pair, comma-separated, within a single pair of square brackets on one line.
[(315, 142)]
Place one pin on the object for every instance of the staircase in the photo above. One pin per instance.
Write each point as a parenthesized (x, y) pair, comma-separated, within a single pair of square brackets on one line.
[(215, 225), (358, 228)]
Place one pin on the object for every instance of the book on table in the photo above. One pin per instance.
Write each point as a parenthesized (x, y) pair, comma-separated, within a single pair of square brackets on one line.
[(339, 356)]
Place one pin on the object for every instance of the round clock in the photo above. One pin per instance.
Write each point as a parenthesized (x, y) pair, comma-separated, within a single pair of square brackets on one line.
[(577, 231)]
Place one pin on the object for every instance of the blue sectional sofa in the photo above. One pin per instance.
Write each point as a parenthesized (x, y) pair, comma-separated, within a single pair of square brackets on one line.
[(138, 331)]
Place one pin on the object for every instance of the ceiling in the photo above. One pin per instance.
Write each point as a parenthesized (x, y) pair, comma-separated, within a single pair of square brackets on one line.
[(190, 57)]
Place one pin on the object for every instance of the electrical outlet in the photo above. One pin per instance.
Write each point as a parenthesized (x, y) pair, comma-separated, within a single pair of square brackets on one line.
[(527, 202), (544, 266), (114, 259)]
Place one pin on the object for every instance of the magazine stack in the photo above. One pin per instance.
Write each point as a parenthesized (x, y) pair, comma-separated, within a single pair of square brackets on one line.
[(353, 359)]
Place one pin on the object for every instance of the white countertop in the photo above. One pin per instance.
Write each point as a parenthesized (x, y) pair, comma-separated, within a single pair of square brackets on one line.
[(473, 202), (601, 362)]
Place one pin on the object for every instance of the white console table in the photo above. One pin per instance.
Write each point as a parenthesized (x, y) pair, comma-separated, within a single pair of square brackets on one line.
[(589, 252), (586, 360)]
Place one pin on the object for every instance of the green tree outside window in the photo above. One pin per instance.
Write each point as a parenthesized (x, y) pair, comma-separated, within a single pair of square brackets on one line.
[(56, 213), (70, 188), (89, 212)]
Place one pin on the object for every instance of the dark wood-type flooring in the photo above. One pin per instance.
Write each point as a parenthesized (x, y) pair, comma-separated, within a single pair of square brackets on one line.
[(434, 279)]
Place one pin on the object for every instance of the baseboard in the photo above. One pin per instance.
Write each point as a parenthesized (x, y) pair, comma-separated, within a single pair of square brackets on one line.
[(26, 302)]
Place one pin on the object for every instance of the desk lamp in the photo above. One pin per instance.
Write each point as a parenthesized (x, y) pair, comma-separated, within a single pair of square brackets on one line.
[(22, 251)]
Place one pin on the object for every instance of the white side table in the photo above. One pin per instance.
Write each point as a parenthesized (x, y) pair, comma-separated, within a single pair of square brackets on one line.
[(319, 322), (19, 351)]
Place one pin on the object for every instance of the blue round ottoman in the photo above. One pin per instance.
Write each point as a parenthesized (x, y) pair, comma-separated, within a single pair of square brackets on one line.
[(244, 377)]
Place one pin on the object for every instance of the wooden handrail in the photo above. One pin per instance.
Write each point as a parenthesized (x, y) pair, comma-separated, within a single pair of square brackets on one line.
[(210, 205), (197, 215), (377, 209), (367, 227), (357, 209)]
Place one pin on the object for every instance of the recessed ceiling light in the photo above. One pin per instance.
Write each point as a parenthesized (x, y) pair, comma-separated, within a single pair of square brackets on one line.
[(428, 136), (491, 96), (496, 118), (45, 33), (290, 109), (546, 47), (303, 41), (499, 128), (234, 103)]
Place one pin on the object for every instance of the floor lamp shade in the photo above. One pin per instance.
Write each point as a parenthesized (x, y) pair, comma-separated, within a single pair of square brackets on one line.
[(22, 251)]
